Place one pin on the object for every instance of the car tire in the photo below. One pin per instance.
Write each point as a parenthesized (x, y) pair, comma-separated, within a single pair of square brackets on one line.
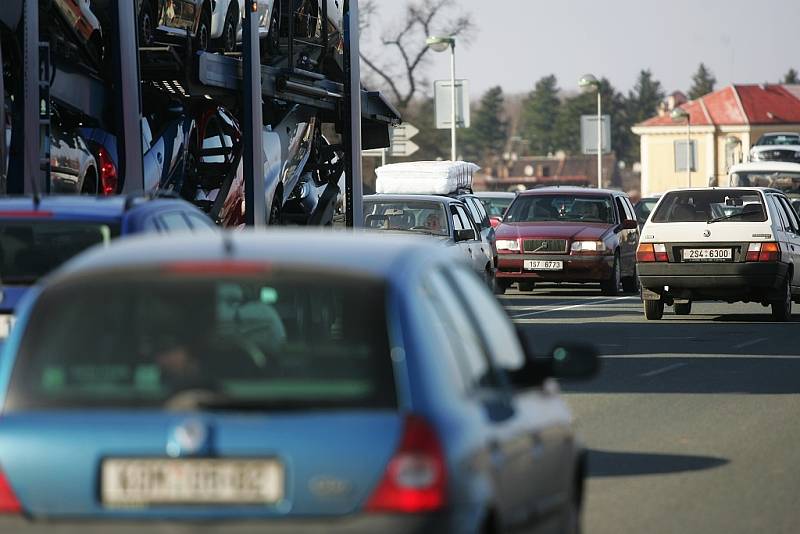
[(653, 309), (227, 41), (613, 285), (500, 286), (631, 284), (782, 309), (526, 287), (274, 214), (203, 34), (683, 308), (146, 24)]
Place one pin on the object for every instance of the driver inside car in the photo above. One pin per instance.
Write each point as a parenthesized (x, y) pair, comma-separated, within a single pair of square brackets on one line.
[(433, 223)]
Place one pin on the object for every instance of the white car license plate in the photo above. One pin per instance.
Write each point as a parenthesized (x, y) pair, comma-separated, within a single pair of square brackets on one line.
[(543, 265), (707, 254), (138, 482)]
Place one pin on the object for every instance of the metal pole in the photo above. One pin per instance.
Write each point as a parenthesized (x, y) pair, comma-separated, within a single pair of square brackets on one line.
[(351, 119), (689, 149), (30, 102), (453, 151), (599, 139), (254, 196), (127, 99)]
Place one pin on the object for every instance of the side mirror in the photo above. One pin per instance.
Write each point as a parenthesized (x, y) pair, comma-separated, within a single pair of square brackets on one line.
[(465, 235), (630, 224), (495, 221), (570, 361)]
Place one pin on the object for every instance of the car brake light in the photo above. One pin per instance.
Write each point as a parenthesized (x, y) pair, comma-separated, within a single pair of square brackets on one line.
[(226, 267), (9, 504), (415, 478), (763, 252), (650, 252), (26, 214), (108, 173)]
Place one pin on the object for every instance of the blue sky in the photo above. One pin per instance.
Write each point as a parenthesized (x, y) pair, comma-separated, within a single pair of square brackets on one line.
[(519, 41)]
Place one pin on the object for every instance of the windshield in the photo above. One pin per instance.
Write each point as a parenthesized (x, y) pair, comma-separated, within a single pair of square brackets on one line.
[(695, 206), (644, 208), (496, 207), (31, 249), (788, 182), (284, 341), (775, 140), (407, 216), (560, 208)]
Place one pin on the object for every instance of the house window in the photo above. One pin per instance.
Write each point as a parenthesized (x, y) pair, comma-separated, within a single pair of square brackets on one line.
[(545, 171), (681, 154)]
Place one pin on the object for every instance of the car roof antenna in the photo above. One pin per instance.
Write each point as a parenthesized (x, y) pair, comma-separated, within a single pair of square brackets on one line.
[(227, 244)]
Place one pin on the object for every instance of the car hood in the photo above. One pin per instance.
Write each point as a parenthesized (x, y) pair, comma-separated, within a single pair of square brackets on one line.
[(552, 230)]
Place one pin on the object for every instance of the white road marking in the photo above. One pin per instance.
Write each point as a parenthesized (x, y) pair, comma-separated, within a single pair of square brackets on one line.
[(664, 369), (572, 307), (751, 342)]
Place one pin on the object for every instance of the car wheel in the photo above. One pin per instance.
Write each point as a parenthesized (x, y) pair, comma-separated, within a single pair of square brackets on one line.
[(653, 309), (613, 285), (274, 214), (500, 286), (90, 185), (631, 284), (527, 287), (683, 308), (782, 309), (228, 40), (202, 36), (146, 24)]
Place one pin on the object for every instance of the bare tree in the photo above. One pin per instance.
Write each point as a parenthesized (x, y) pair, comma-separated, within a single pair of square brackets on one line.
[(406, 43)]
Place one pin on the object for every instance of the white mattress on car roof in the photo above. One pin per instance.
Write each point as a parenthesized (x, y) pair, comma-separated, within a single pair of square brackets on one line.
[(424, 177)]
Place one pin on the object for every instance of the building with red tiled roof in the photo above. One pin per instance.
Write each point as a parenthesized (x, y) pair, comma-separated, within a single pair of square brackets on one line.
[(722, 127)]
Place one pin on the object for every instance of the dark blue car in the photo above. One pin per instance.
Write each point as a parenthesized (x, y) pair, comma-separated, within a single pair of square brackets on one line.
[(280, 382), (38, 236)]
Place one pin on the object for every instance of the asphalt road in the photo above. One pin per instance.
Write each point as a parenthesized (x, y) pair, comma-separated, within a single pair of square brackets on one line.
[(693, 424)]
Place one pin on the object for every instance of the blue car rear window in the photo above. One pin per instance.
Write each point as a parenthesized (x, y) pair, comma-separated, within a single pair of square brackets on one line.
[(29, 249), (248, 342)]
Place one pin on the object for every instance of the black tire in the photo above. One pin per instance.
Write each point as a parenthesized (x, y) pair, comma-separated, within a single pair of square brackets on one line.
[(683, 308), (146, 24), (782, 309), (631, 283), (227, 41), (613, 286), (500, 286), (274, 218), (526, 287), (653, 309), (203, 34), (91, 185)]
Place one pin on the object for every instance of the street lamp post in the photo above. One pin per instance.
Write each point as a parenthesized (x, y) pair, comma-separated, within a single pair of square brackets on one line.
[(680, 115), (590, 82), (441, 44)]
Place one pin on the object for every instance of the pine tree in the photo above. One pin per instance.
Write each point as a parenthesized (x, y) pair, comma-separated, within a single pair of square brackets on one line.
[(487, 136), (539, 114), (791, 77), (641, 104), (703, 82)]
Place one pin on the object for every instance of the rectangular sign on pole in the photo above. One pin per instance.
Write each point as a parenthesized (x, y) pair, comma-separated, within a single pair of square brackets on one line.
[(589, 134), (443, 93), (401, 145)]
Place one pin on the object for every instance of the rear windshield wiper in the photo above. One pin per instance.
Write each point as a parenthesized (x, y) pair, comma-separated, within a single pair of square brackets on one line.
[(726, 217)]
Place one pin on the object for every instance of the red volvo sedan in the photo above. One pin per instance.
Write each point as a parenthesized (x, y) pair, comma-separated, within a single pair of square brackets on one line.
[(568, 234)]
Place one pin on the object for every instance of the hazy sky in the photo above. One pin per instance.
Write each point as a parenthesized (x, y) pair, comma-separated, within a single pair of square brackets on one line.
[(519, 41)]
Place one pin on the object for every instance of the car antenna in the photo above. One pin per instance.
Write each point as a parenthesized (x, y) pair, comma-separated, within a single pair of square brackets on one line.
[(227, 244)]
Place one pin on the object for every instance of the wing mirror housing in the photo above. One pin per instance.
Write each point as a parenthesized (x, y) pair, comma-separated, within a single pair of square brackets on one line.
[(495, 221), (465, 235), (629, 224), (569, 361)]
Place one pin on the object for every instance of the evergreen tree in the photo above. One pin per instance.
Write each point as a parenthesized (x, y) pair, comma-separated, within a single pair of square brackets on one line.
[(539, 114), (641, 104), (487, 136), (703, 82), (791, 77), (567, 132)]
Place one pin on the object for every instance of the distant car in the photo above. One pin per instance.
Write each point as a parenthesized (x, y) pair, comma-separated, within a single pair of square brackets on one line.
[(216, 25), (496, 203), (481, 218), (644, 208), (568, 234), (777, 146), (728, 244), (292, 382), (445, 219), (84, 24), (38, 236)]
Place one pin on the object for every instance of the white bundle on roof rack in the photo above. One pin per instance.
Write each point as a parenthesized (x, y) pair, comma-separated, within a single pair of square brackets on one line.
[(424, 177)]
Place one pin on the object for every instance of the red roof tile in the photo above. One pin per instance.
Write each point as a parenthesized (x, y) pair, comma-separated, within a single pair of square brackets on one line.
[(741, 104)]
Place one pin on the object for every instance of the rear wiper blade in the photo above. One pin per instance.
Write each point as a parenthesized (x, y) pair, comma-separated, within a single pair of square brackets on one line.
[(724, 218), (207, 399)]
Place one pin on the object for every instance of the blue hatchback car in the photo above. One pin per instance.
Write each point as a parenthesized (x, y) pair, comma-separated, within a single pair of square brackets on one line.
[(290, 382), (37, 236)]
